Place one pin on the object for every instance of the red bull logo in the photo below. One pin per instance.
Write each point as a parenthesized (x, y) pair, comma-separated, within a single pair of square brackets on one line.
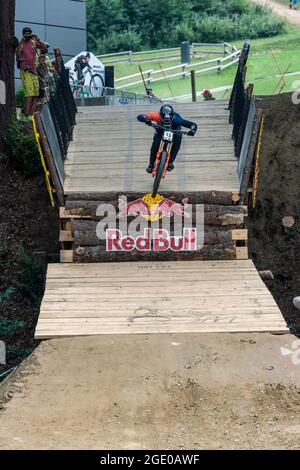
[(153, 208), (151, 224), (159, 240)]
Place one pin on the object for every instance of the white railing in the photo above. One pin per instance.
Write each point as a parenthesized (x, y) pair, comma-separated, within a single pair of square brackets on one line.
[(130, 56), (225, 48), (152, 76), (196, 49)]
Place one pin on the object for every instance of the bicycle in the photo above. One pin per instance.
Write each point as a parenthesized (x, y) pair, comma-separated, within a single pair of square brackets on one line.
[(163, 155), (95, 87)]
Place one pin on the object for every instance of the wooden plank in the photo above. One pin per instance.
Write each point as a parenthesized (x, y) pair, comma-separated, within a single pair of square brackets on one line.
[(65, 236), (242, 252), (239, 234), (233, 299), (66, 256)]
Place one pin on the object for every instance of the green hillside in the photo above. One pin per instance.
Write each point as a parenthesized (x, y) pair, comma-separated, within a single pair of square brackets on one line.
[(269, 58)]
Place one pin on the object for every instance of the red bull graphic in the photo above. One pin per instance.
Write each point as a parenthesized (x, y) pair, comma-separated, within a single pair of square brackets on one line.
[(151, 224), (153, 208), (159, 240)]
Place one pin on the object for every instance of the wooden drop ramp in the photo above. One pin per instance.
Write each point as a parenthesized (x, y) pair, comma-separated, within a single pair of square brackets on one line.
[(156, 297), (219, 291)]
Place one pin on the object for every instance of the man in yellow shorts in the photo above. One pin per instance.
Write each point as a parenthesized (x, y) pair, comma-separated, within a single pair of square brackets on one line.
[(26, 57)]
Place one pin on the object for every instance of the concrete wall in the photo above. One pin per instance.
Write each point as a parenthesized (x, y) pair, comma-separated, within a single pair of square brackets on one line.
[(61, 23)]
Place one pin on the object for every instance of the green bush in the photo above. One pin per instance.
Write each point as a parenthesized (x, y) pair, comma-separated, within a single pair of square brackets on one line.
[(3, 257), (21, 148), (20, 98), (118, 25), (16, 352), (120, 41), (8, 327), (7, 294), (30, 281)]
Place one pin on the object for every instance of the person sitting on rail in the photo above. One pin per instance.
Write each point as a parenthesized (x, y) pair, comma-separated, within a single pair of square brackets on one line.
[(169, 119)]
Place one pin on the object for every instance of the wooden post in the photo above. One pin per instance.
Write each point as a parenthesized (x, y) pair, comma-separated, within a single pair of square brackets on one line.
[(193, 84)]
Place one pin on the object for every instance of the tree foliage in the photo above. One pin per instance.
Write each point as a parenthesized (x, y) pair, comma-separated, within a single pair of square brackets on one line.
[(116, 25)]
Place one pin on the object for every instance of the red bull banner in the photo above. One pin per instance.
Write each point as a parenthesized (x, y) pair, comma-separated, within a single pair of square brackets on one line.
[(151, 224)]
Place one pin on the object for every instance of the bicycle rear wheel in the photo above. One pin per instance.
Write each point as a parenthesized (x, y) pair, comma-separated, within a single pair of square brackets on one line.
[(159, 173)]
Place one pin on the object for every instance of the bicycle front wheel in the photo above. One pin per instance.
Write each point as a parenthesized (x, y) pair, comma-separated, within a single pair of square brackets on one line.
[(96, 85), (159, 173)]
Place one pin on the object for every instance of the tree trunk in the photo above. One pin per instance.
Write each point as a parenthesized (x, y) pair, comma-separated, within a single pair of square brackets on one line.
[(98, 254), (85, 234), (7, 52), (223, 198)]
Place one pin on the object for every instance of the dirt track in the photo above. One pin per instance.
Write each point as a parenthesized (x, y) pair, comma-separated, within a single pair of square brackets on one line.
[(292, 16), (155, 392)]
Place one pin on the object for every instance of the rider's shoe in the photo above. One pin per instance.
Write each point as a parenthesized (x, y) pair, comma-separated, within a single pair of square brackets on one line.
[(170, 166), (149, 169)]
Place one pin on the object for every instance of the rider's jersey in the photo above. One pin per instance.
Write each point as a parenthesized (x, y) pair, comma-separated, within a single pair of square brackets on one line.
[(177, 122)]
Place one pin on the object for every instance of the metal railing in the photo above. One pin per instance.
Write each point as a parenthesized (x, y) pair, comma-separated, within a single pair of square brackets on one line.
[(91, 96), (63, 109), (240, 101)]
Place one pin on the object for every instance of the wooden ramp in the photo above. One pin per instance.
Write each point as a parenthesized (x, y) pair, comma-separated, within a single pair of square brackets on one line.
[(110, 151), (156, 297)]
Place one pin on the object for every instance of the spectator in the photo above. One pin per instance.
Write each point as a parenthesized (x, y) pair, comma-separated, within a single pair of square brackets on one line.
[(207, 95), (26, 58), (150, 93), (293, 4), (46, 78)]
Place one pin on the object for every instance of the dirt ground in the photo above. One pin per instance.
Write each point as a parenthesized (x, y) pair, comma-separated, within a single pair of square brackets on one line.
[(27, 221), (279, 195), (292, 16), (191, 391)]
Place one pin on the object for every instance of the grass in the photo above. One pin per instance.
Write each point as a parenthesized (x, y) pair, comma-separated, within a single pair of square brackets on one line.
[(266, 58)]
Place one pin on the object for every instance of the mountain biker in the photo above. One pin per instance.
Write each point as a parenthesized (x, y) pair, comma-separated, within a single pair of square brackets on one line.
[(80, 64), (169, 119)]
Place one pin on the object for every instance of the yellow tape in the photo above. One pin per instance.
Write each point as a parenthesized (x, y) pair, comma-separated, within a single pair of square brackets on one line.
[(257, 157), (47, 174)]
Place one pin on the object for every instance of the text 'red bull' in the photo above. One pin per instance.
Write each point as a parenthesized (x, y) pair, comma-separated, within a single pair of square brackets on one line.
[(160, 241)]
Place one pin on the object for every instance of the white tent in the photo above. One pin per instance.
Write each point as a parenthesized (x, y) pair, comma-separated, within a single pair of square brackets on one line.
[(90, 71)]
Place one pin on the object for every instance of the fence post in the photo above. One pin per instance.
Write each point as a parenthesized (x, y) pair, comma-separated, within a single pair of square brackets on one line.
[(185, 52), (219, 66), (193, 84), (183, 71), (130, 56)]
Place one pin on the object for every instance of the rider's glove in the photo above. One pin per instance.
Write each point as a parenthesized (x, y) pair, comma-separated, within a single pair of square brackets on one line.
[(192, 132), (148, 122)]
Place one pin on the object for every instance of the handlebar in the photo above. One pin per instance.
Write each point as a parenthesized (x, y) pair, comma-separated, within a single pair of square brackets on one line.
[(157, 126)]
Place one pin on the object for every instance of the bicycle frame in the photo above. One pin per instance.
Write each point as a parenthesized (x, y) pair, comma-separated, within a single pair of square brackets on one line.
[(165, 145)]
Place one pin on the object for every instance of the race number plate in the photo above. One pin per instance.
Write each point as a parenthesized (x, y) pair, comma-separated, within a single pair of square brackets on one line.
[(168, 136)]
